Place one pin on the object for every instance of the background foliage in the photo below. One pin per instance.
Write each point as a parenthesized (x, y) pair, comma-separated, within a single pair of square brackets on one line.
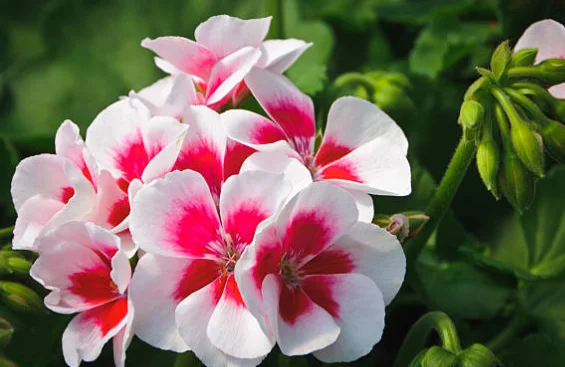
[(486, 267)]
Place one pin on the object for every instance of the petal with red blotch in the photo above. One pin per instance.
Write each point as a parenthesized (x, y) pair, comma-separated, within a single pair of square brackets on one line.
[(247, 200), (314, 219), (115, 140), (236, 154), (279, 55), (69, 144), (234, 330), (87, 333), (548, 36), (353, 122), (32, 218), (252, 129), (258, 260), (377, 167), (224, 35), (193, 317), (291, 109), (112, 203), (292, 169), (228, 72), (82, 285), (204, 146), (123, 338), (184, 54), (176, 216), (42, 174), (374, 252), (300, 325), (356, 305), (158, 285)]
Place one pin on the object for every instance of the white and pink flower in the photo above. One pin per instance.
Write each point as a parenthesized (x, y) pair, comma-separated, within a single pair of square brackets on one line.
[(226, 48), (363, 150), (548, 36), (318, 280), (87, 273), (51, 189), (183, 289)]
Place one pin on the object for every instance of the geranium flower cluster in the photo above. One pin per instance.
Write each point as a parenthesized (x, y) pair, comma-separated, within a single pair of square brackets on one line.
[(246, 235)]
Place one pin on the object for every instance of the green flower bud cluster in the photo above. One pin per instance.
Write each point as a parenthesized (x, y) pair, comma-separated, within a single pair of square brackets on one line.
[(514, 120), (388, 90), (476, 355)]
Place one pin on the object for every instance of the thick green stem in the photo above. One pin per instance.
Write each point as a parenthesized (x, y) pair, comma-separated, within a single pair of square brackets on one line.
[(186, 359), (516, 324), (275, 8), (420, 332), (441, 201)]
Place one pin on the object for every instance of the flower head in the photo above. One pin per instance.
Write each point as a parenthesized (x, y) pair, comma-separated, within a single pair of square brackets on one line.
[(85, 270), (187, 274), (226, 48), (319, 280)]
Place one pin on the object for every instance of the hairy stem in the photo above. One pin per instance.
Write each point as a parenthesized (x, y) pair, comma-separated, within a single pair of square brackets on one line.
[(420, 332)]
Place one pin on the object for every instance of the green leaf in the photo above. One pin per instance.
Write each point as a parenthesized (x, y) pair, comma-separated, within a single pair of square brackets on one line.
[(544, 300), (535, 350), (500, 59), (309, 72), (460, 289)]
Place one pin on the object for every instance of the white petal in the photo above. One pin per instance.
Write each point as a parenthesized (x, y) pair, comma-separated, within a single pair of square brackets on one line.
[(224, 34), (364, 205), (548, 36), (279, 55), (32, 218)]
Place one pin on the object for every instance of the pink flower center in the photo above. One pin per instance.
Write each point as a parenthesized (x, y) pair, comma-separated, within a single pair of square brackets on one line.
[(230, 255), (289, 271)]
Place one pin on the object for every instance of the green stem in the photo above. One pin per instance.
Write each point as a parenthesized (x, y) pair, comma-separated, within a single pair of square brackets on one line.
[(186, 359), (441, 201), (275, 8), (6, 232), (527, 104), (421, 330), (517, 323)]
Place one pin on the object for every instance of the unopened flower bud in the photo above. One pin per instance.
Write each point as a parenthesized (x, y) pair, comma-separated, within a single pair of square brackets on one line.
[(477, 355), (399, 226), (416, 221), (20, 298), (528, 146), (524, 57), (488, 162), (4, 266), (391, 97), (471, 117), (439, 357), (500, 59), (553, 71), (6, 332), (19, 266), (553, 134), (479, 86), (516, 182)]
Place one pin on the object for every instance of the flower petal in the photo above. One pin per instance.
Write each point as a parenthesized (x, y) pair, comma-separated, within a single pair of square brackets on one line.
[(314, 218), (279, 55), (204, 146), (236, 154), (123, 338), (87, 333), (300, 325), (375, 253), (548, 36), (184, 54), (156, 290), (357, 307), (32, 218), (69, 144), (353, 122), (364, 205), (193, 316), (234, 330), (228, 72), (176, 216), (291, 109), (112, 203), (224, 35), (252, 129), (377, 167), (248, 199)]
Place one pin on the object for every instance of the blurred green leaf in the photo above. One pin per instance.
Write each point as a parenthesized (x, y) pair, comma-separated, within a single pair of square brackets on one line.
[(535, 350), (460, 289)]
